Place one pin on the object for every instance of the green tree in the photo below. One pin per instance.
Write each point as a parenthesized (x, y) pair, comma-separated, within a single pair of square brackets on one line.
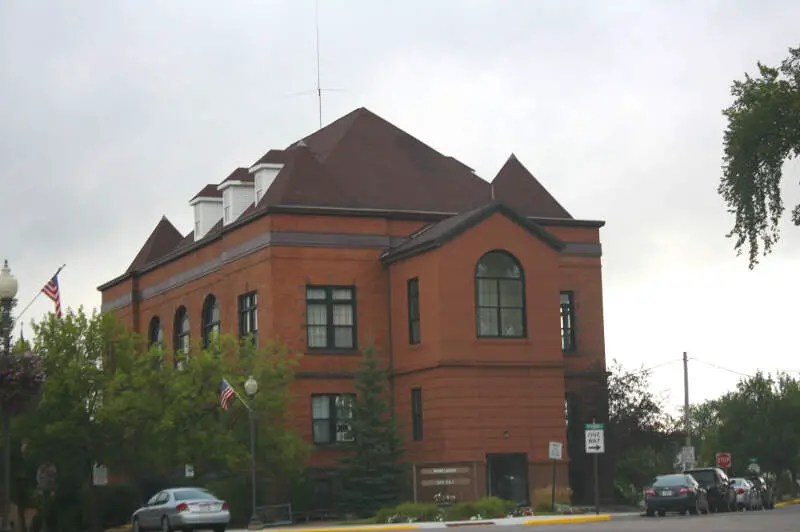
[(763, 132), (640, 434), (163, 418), (372, 473), (704, 421), (64, 428)]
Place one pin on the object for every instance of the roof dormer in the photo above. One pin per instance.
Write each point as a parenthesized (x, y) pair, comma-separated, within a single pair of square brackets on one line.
[(207, 210), (264, 172), (237, 195)]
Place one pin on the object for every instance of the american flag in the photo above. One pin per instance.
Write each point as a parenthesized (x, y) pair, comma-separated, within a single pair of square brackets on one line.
[(226, 393), (51, 291)]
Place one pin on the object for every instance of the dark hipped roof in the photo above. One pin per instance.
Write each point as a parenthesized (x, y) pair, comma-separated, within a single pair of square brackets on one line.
[(240, 174), (271, 157), (516, 186), (164, 238), (362, 163), (209, 191), (435, 235)]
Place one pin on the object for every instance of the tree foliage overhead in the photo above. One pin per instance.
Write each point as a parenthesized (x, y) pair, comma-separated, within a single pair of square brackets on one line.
[(763, 132)]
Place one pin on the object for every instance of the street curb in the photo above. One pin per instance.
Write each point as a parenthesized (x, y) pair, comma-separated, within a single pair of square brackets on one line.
[(568, 520), (544, 520), (787, 503), (364, 528)]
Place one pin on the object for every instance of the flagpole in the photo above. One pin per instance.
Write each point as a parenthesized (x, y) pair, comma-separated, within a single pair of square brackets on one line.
[(38, 293)]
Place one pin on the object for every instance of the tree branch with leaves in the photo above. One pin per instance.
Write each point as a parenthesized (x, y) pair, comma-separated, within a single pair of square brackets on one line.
[(763, 132)]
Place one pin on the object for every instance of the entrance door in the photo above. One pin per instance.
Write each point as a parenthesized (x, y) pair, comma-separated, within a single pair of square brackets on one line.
[(507, 476)]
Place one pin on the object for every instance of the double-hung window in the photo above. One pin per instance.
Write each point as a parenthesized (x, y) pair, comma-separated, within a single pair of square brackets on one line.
[(331, 317)]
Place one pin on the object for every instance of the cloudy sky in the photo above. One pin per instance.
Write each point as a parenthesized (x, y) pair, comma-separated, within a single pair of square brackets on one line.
[(113, 113)]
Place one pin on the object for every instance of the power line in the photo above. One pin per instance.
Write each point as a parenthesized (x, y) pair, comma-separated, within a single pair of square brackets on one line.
[(651, 368), (740, 373)]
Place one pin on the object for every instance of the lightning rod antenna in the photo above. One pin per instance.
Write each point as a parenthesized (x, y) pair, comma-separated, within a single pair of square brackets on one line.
[(319, 85)]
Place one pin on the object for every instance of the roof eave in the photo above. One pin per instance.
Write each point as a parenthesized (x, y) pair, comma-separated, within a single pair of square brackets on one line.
[(566, 222), (390, 258), (115, 281), (207, 199)]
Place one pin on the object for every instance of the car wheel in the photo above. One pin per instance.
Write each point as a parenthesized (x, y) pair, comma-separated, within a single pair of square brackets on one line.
[(165, 527), (650, 512), (219, 529), (662, 513)]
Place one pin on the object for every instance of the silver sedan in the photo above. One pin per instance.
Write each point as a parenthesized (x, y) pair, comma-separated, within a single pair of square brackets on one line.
[(182, 509)]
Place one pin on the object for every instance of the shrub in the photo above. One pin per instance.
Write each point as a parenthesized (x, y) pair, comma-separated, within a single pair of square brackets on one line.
[(486, 508), (543, 498), (117, 502), (414, 511)]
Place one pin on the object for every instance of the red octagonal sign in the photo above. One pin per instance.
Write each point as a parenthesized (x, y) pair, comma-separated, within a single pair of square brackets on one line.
[(724, 460)]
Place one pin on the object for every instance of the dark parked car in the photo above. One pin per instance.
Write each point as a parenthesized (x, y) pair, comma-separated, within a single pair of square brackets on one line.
[(675, 493), (721, 495), (764, 489)]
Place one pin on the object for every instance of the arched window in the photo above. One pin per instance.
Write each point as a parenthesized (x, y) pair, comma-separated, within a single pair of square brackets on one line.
[(155, 334), (499, 296), (182, 331), (210, 319)]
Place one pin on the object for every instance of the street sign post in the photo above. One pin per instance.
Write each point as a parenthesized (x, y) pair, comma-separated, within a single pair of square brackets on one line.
[(46, 481), (595, 445), (595, 438), (554, 452), (99, 475), (687, 457), (723, 460)]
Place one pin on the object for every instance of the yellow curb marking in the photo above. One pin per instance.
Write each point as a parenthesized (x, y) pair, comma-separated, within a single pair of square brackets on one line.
[(568, 520), (787, 503), (348, 528)]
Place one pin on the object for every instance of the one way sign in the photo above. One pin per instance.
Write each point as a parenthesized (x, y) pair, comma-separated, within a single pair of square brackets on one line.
[(595, 438)]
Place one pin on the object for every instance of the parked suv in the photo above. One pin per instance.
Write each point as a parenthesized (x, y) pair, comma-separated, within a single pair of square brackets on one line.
[(721, 495), (764, 490)]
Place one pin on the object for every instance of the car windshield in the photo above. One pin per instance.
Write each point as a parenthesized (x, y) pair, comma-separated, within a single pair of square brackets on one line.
[(738, 482), (190, 494), (703, 476), (670, 480)]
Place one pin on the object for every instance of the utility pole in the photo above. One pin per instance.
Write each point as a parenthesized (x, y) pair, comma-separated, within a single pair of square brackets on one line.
[(686, 400)]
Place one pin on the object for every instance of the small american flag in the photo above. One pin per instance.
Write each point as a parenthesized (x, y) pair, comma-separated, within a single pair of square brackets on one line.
[(226, 393), (51, 290)]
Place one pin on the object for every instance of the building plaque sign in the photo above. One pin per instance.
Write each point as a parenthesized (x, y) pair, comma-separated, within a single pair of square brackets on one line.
[(444, 471)]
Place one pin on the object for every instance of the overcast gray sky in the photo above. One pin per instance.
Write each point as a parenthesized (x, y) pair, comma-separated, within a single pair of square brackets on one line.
[(113, 113)]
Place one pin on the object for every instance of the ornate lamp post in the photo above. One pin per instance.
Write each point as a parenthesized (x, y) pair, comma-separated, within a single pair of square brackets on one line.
[(251, 389), (8, 291)]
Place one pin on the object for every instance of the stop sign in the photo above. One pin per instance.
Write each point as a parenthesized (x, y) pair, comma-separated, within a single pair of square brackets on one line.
[(724, 460)]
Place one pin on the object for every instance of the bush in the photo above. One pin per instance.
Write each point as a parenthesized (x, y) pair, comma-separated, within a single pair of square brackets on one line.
[(486, 508), (117, 503), (415, 511), (543, 498)]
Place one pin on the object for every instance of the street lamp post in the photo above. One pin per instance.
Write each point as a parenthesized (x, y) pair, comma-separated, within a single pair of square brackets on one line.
[(251, 388), (8, 291)]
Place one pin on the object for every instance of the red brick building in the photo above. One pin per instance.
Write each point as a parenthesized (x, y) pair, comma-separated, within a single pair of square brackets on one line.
[(361, 233)]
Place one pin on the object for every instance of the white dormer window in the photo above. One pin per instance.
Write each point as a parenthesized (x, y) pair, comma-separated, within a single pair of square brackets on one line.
[(226, 208), (264, 175)]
